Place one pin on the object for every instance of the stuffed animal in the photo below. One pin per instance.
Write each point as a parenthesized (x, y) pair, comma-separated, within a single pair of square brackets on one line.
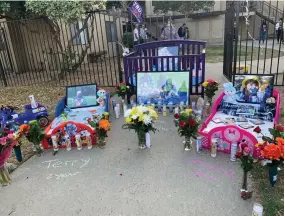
[(101, 97), (230, 93)]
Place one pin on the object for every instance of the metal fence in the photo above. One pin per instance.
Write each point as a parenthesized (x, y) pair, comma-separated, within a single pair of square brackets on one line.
[(40, 51), (250, 49)]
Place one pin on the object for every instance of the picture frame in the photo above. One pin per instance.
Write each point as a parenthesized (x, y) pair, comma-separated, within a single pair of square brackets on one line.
[(90, 101), (253, 88), (167, 87)]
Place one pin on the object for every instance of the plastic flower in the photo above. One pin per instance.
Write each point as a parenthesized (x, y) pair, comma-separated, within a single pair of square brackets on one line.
[(188, 111), (176, 115), (246, 151), (104, 124), (24, 127), (271, 152), (182, 124), (279, 128), (204, 84), (192, 122), (257, 129)]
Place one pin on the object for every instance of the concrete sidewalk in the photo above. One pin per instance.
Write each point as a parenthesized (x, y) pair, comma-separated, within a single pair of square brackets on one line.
[(122, 180)]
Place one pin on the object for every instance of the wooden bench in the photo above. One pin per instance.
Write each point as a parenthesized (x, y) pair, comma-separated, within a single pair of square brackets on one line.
[(95, 56)]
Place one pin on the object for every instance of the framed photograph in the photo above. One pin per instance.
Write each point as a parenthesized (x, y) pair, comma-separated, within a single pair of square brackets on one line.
[(81, 96), (246, 126), (256, 121), (253, 88), (217, 120), (163, 87), (241, 119)]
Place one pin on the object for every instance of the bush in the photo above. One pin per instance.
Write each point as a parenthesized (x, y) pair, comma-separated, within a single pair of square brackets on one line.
[(128, 39)]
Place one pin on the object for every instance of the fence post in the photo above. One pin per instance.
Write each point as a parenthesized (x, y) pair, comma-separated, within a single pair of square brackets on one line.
[(3, 74)]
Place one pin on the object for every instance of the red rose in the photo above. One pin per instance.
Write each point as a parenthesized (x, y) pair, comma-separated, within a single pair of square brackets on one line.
[(191, 122), (182, 123), (238, 154), (246, 151), (89, 120), (279, 128), (257, 129), (118, 87), (176, 115), (243, 146)]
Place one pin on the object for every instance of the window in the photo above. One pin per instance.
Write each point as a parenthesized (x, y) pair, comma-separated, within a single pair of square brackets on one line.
[(79, 38), (110, 31)]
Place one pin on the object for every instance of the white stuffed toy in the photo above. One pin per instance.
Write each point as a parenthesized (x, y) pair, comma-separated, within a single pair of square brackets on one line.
[(230, 93), (101, 97)]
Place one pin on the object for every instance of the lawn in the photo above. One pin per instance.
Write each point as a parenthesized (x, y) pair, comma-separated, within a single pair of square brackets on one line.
[(216, 53)]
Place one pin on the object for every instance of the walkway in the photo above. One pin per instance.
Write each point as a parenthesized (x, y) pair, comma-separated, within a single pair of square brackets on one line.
[(122, 180)]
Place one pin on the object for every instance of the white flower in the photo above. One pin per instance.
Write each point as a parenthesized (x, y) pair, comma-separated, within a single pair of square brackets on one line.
[(147, 120), (135, 116), (128, 113)]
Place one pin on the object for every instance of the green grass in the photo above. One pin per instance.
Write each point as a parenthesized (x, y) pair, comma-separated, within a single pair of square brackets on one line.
[(216, 54), (272, 198)]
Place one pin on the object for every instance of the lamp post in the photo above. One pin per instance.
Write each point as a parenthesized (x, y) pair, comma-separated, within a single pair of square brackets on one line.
[(115, 13)]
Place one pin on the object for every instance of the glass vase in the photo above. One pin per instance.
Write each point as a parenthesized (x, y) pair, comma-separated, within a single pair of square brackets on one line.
[(18, 153), (39, 151), (272, 171), (141, 140), (187, 143), (101, 142)]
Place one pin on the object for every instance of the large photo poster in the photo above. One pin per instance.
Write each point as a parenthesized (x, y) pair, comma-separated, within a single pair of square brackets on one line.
[(166, 87)]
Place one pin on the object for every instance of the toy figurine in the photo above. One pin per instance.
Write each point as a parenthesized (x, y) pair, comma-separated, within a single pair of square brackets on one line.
[(34, 104), (67, 142), (230, 93), (101, 97)]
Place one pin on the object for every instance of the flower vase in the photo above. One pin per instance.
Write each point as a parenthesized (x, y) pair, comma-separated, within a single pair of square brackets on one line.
[(141, 140), (4, 176), (208, 109), (272, 171), (101, 142), (244, 184), (18, 153), (187, 143), (39, 151)]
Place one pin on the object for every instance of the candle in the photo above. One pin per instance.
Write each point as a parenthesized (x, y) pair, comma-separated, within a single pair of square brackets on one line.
[(67, 142), (54, 143), (78, 141)]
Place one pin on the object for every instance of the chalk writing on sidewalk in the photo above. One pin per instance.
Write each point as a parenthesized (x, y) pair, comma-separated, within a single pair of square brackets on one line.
[(204, 175), (68, 163), (210, 167), (61, 175)]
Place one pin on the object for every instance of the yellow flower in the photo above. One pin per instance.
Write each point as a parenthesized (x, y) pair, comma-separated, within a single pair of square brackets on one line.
[(134, 111), (204, 84), (150, 107), (141, 118), (128, 120), (188, 111), (106, 114), (154, 114)]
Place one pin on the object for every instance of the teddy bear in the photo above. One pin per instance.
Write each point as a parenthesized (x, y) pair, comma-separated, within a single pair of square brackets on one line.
[(101, 97), (230, 93)]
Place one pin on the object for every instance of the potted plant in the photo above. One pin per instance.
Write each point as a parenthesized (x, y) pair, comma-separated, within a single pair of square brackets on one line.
[(34, 134), (188, 126), (271, 151), (141, 119), (246, 159), (102, 126)]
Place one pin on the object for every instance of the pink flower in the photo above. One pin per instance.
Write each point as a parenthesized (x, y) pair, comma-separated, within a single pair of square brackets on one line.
[(246, 151), (10, 136), (3, 140), (211, 80)]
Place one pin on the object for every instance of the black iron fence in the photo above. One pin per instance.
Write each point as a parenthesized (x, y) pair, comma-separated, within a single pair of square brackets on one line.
[(251, 44)]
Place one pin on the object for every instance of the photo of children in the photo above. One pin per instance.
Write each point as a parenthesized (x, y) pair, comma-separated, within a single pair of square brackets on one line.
[(81, 96), (163, 86), (253, 88)]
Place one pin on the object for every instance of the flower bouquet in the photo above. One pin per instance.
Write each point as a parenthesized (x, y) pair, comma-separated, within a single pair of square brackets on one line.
[(211, 86), (34, 134), (8, 140), (121, 90), (246, 159), (188, 126), (102, 126), (141, 119), (271, 151)]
